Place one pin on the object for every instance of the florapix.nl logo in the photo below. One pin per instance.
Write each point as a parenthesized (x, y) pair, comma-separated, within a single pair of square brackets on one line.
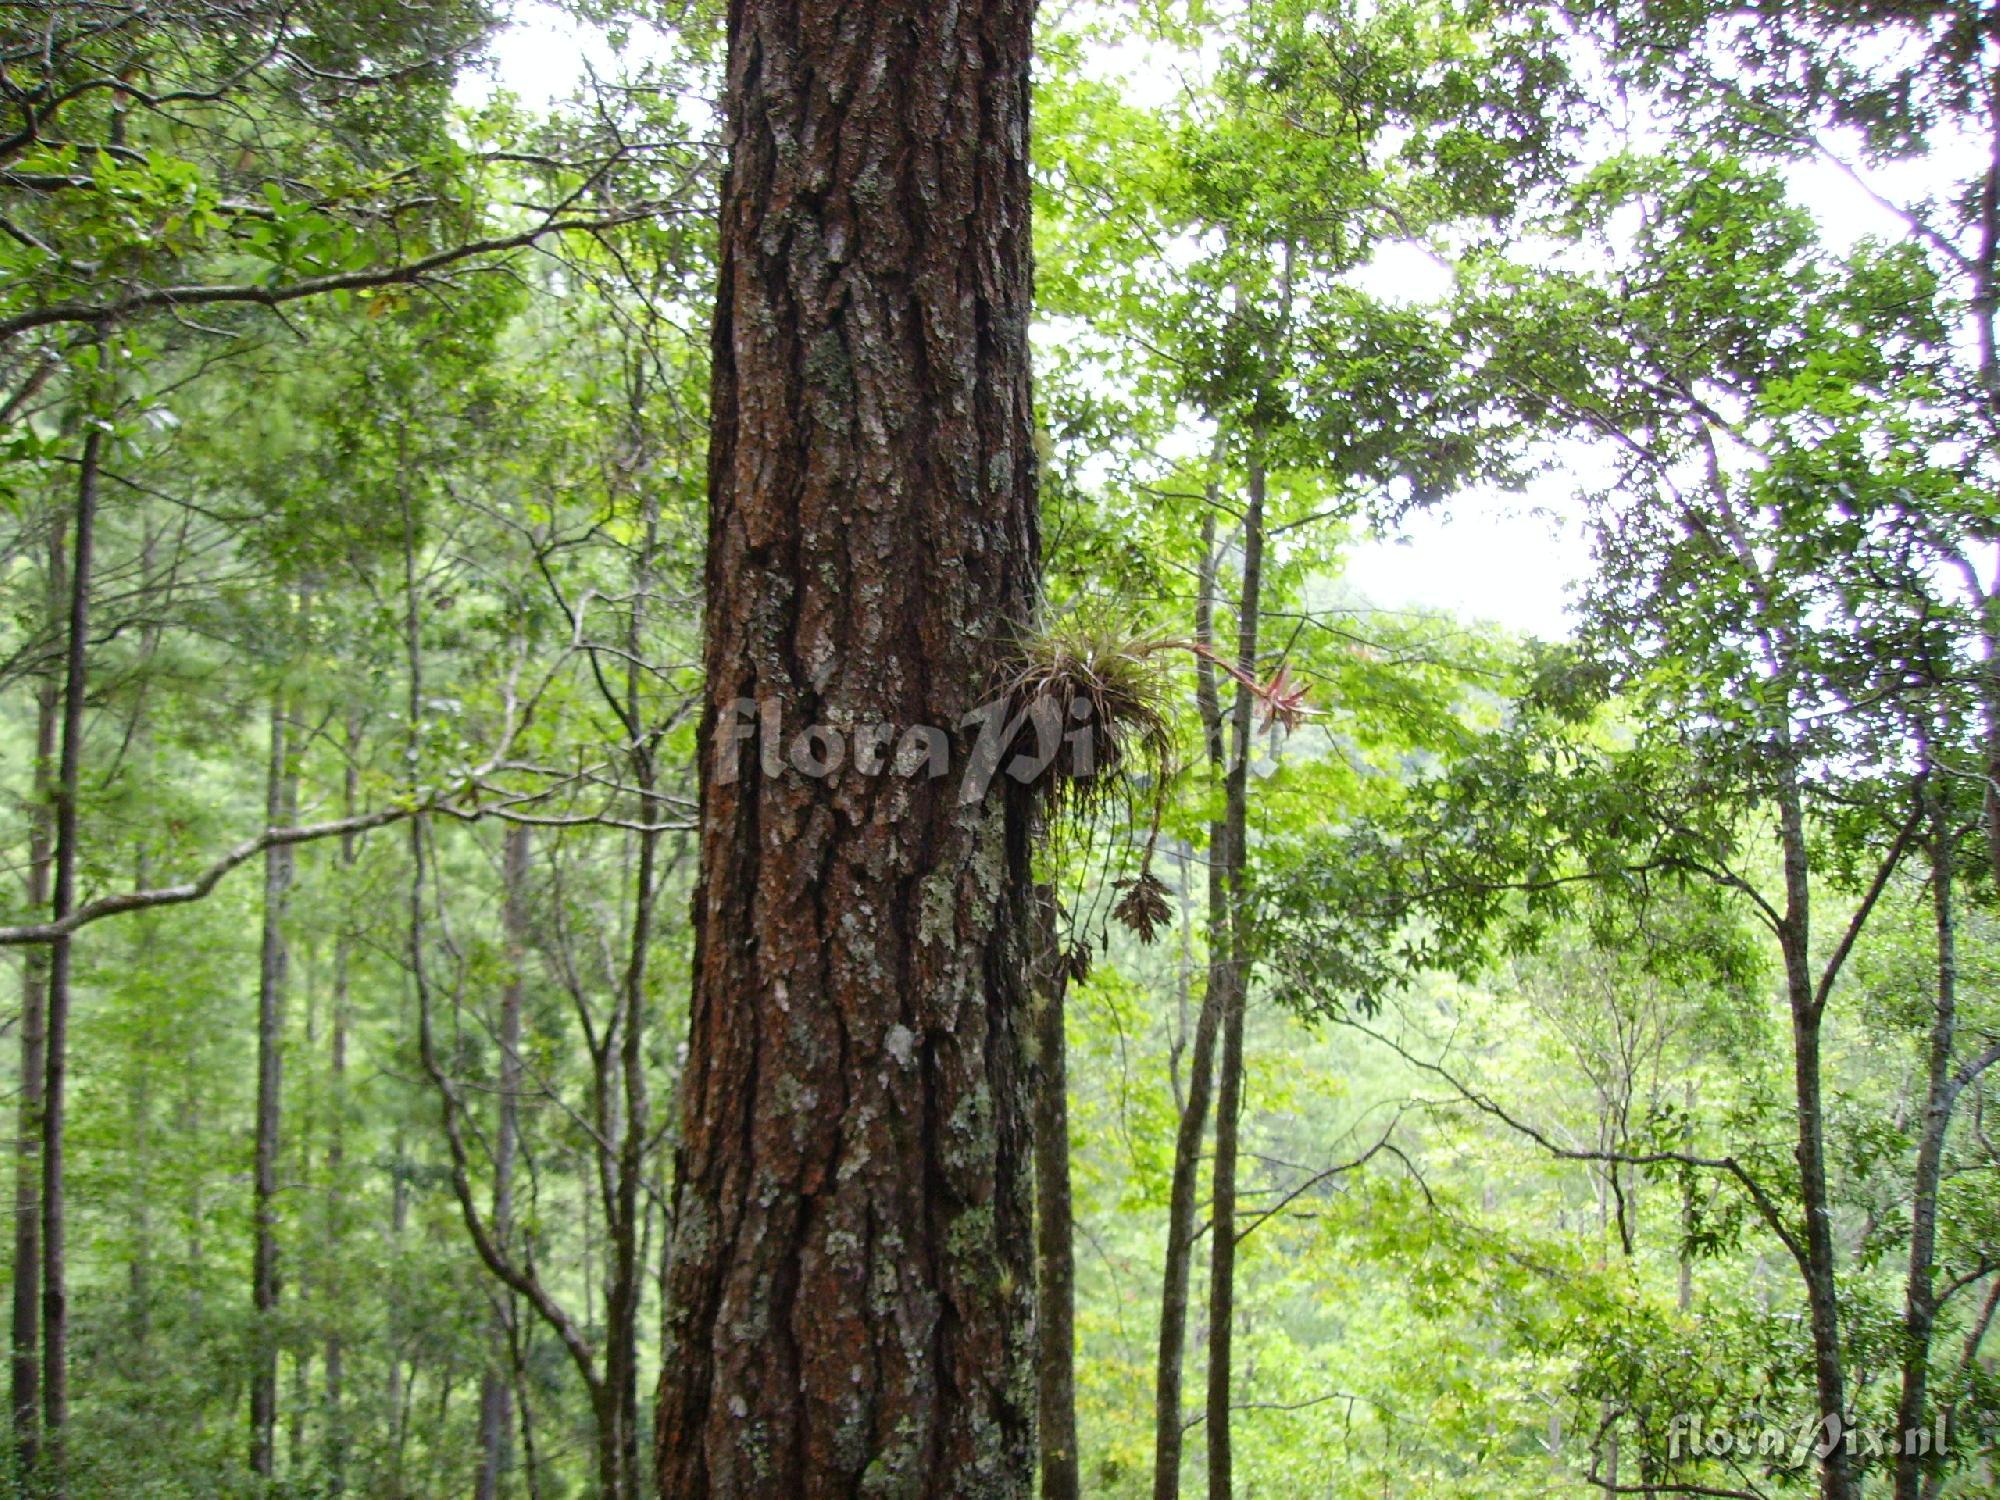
[(1022, 741), (1794, 1442)]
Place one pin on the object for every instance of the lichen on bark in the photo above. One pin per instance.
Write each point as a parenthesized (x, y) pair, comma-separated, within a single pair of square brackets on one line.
[(850, 1283)]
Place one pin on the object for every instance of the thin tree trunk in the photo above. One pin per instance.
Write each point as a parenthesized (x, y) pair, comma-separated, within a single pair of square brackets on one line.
[(280, 809), (851, 1275), (1055, 1255), (418, 931), (1684, 1288), (1920, 1293), (412, 770), (624, 1213), (1168, 1431), (492, 1253), (26, 1351), (295, 1419), (69, 776), (1812, 1248), (139, 1148), (1236, 976), (399, 1218), (1822, 1301), (1817, 1256), (618, 1434), (530, 1464), (402, 1397), (334, 1357), (496, 1416), (139, 1277)]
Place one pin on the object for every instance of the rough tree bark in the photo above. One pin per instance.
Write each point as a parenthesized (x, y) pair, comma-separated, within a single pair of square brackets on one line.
[(69, 777), (280, 811), (851, 1276)]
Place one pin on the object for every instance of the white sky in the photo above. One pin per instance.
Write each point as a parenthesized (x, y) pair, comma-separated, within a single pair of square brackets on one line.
[(540, 57), (1513, 560), (1484, 556)]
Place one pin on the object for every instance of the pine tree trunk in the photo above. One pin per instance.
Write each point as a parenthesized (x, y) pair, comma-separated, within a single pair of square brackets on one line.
[(281, 802), (69, 779), (851, 1277)]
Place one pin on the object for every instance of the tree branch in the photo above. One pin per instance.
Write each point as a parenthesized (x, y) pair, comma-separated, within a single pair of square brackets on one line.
[(347, 281), (1867, 907), (1767, 1207)]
